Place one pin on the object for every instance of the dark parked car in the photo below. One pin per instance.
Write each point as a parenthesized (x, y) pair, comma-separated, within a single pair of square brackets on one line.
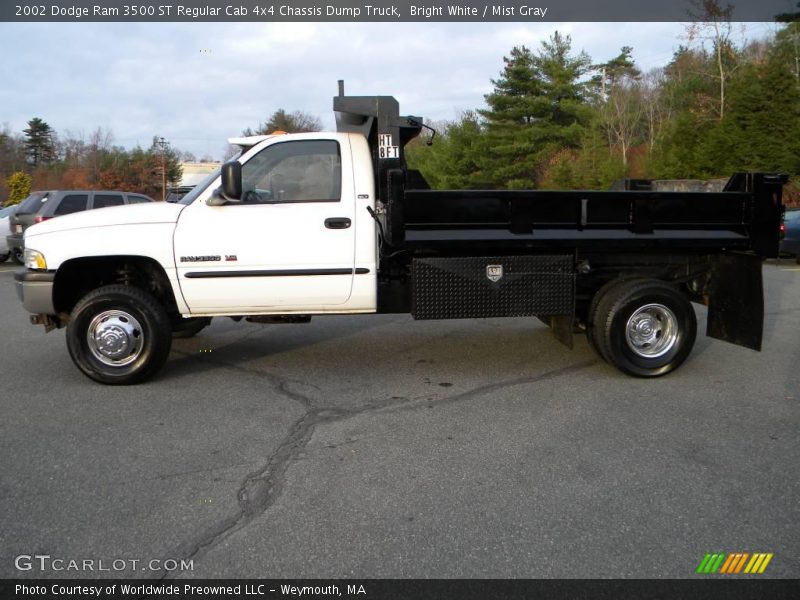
[(790, 243), (174, 194), (40, 206)]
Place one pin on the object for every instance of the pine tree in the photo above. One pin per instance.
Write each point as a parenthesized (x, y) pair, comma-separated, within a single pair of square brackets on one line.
[(761, 131), (452, 162), (538, 107), (615, 70), (39, 143), (509, 156)]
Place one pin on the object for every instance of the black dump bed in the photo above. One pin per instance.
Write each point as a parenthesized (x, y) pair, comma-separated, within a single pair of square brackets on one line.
[(745, 216)]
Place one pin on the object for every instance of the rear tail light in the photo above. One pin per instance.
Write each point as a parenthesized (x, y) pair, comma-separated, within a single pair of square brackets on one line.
[(40, 219), (782, 228)]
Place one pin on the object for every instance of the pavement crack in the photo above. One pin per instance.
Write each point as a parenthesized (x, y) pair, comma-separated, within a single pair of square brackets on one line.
[(263, 487), (493, 387)]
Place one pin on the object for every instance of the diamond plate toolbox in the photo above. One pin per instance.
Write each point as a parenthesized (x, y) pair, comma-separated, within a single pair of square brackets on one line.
[(498, 286)]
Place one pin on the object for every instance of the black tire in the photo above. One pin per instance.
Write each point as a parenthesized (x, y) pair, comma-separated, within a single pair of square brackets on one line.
[(644, 327), (133, 321), (591, 315), (186, 328), (18, 255), (4, 256)]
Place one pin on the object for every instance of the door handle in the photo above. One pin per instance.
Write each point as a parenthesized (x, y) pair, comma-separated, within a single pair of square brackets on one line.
[(337, 223)]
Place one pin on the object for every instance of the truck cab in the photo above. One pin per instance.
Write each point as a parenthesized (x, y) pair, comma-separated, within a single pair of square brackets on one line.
[(297, 239)]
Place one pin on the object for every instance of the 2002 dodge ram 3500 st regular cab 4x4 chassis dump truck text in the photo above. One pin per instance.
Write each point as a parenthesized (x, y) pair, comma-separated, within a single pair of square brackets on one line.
[(334, 223)]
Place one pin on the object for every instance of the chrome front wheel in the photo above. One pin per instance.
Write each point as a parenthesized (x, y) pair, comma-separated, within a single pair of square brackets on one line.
[(115, 338)]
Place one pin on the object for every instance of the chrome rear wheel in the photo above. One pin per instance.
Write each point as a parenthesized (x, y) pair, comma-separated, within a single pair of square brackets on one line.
[(651, 331)]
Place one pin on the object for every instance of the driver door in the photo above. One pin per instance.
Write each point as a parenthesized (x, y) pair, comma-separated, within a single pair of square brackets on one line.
[(289, 246)]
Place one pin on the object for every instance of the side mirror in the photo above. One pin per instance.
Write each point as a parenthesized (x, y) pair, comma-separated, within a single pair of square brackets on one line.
[(232, 181)]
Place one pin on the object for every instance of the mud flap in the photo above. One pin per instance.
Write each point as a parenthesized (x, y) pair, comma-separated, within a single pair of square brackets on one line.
[(563, 328), (736, 300)]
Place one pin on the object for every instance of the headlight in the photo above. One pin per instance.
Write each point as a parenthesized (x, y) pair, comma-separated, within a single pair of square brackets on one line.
[(35, 259)]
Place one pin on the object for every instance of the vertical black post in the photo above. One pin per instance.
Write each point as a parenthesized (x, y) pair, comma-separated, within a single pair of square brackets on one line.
[(766, 213)]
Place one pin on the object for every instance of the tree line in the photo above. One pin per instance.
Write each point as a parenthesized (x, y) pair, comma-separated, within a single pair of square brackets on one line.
[(39, 158), (555, 119)]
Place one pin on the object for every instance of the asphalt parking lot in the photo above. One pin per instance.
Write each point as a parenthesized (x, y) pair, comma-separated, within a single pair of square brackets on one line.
[(376, 446)]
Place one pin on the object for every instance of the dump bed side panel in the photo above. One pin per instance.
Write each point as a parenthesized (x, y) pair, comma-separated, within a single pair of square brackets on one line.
[(431, 209), (746, 217)]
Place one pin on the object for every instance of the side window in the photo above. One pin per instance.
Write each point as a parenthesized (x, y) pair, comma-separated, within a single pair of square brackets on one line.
[(103, 200), (71, 204), (134, 199), (301, 171)]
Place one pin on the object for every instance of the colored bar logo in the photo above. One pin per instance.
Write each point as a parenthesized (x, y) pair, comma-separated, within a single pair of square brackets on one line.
[(734, 563)]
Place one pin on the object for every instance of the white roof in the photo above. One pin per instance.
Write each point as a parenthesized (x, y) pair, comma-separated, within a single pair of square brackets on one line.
[(248, 141)]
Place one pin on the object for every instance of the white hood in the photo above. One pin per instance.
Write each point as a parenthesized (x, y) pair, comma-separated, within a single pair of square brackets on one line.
[(130, 214)]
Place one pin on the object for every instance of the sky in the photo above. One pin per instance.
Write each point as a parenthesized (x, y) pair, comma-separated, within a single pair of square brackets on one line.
[(196, 84)]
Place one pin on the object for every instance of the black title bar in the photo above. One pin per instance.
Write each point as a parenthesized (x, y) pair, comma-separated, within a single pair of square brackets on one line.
[(401, 589), (535, 11)]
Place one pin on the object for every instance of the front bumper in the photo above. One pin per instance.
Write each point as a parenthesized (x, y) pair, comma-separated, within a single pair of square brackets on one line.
[(35, 290)]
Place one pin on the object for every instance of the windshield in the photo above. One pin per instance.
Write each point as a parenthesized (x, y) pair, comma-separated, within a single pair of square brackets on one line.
[(7, 211), (32, 203), (201, 187)]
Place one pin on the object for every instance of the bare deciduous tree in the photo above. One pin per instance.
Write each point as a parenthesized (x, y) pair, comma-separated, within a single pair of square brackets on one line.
[(712, 22), (622, 114), (656, 105)]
